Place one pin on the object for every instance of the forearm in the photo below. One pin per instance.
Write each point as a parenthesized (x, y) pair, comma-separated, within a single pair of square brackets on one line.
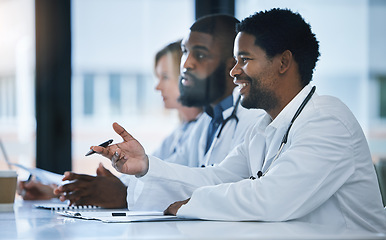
[(307, 173), (166, 183)]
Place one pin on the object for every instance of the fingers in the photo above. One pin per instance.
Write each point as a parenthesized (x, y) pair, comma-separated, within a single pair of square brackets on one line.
[(70, 187), (173, 208), (75, 176), (115, 158), (20, 187), (106, 152), (122, 132), (72, 196), (118, 160), (73, 193), (102, 171), (79, 185), (84, 201), (34, 190), (31, 184)]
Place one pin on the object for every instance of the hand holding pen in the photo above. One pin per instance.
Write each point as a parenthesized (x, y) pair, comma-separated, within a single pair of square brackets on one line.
[(126, 157), (35, 190), (105, 144)]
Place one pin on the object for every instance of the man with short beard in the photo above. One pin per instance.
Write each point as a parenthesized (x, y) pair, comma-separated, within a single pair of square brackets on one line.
[(207, 59)]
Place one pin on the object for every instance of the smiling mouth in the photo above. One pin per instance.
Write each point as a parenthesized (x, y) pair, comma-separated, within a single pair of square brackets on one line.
[(243, 85)]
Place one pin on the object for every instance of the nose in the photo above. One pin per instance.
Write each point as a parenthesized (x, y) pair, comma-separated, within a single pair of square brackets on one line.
[(235, 71), (158, 86), (187, 62)]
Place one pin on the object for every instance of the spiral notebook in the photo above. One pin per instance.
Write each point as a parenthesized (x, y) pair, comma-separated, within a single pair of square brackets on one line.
[(61, 206)]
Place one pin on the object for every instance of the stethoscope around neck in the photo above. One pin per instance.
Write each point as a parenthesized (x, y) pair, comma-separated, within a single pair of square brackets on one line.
[(285, 137), (232, 116)]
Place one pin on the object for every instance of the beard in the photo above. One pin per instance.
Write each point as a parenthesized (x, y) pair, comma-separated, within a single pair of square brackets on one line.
[(257, 97), (203, 91)]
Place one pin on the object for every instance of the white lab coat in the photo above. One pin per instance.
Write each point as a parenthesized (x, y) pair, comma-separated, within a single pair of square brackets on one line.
[(192, 154), (175, 140), (323, 175)]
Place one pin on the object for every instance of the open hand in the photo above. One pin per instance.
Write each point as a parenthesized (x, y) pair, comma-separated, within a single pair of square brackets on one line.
[(104, 190), (126, 157)]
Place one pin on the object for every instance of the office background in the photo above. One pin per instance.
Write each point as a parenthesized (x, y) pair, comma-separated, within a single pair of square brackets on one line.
[(98, 56)]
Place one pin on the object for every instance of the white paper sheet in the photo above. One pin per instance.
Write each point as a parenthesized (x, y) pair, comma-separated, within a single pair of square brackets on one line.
[(120, 216)]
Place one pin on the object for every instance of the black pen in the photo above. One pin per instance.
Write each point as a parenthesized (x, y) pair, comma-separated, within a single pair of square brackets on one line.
[(29, 178), (23, 191), (105, 144)]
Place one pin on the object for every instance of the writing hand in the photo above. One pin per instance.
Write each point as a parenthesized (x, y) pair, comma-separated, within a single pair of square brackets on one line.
[(104, 190), (35, 190), (126, 157), (174, 207)]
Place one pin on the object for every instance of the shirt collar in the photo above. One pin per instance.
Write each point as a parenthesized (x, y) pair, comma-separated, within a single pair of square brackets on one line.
[(220, 107)]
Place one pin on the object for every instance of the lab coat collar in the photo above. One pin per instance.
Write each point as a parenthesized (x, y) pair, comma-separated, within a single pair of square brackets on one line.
[(275, 130), (288, 112)]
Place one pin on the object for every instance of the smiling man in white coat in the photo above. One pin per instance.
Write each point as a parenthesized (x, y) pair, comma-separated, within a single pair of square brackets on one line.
[(306, 160)]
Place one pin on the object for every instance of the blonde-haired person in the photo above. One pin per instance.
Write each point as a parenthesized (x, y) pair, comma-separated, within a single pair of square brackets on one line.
[(167, 70)]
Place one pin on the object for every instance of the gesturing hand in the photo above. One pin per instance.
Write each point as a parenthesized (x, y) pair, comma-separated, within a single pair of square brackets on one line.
[(126, 157)]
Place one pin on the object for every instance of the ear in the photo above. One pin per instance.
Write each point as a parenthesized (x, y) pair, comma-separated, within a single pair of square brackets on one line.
[(286, 59)]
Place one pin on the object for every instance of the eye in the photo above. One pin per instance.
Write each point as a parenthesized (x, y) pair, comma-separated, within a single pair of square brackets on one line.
[(199, 55), (164, 77), (245, 59)]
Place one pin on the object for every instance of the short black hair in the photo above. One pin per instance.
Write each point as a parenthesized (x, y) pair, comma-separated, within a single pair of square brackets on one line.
[(278, 30), (221, 26)]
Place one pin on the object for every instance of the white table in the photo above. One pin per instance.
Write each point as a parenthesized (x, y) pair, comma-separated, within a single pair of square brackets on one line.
[(27, 222)]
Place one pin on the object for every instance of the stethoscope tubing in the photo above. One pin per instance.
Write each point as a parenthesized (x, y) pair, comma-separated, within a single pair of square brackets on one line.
[(285, 137), (233, 115)]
